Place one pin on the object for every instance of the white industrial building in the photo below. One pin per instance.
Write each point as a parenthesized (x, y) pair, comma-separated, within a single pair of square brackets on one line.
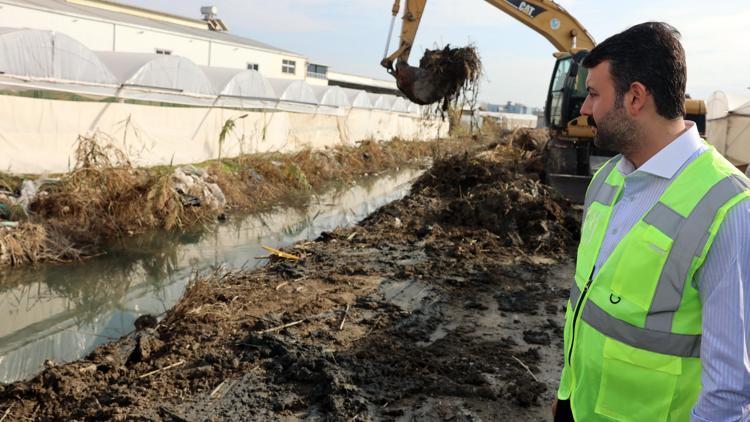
[(103, 25), (163, 87)]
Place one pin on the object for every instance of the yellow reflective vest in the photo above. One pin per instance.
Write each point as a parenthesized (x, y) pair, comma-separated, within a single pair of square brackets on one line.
[(633, 331)]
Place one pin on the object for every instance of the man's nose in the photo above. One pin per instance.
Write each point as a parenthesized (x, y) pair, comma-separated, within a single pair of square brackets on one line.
[(586, 106)]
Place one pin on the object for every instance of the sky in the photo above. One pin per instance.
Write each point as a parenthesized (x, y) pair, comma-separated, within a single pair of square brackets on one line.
[(350, 35)]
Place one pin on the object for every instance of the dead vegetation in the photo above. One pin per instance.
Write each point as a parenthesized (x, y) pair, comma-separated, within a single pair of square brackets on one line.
[(104, 197)]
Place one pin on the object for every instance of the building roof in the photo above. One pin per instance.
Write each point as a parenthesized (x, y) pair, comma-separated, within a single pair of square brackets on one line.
[(168, 23)]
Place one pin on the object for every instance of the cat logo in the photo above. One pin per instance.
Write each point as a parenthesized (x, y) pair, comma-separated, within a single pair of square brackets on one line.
[(525, 8)]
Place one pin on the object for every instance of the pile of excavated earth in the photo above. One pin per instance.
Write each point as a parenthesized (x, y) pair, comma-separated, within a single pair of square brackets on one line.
[(445, 305)]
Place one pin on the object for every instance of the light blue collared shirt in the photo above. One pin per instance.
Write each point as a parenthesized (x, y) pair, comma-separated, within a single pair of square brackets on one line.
[(723, 281)]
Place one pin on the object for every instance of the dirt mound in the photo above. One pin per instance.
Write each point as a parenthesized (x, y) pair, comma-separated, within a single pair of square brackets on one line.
[(498, 191), (523, 212), (528, 139)]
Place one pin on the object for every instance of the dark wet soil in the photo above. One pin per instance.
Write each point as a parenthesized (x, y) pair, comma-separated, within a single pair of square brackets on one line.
[(446, 305)]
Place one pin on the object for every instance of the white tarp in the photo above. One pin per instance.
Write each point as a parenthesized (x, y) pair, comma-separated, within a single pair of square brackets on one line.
[(331, 100), (728, 125), (400, 105), (294, 95), (382, 101), (720, 104), (152, 135), (36, 59), (358, 98), (159, 78), (241, 88), (333, 96), (50, 55)]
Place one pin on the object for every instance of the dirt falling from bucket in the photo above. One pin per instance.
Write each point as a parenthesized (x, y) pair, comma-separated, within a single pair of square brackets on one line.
[(443, 75)]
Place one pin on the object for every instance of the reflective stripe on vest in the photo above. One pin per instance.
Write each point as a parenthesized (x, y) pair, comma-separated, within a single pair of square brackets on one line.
[(598, 190), (691, 233), (689, 237), (684, 345)]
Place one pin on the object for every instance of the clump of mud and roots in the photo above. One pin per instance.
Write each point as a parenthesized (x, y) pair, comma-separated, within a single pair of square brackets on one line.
[(443, 75), (445, 305), (104, 197)]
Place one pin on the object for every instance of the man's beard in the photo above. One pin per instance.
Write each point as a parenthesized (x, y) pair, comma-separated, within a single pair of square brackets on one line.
[(616, 131)]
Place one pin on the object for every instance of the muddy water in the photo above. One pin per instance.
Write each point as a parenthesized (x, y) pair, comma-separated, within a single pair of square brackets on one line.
[(60, 313)]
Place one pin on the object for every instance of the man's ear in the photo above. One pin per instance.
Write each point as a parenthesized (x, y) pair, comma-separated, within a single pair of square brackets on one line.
[(636, 98)]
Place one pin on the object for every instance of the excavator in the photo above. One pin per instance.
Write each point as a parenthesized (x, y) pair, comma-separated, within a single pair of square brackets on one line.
[(571, 157)]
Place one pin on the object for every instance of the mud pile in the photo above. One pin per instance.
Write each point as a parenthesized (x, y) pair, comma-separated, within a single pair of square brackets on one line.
[(488, 195), (443, 74), (418, 313), (497, 192)]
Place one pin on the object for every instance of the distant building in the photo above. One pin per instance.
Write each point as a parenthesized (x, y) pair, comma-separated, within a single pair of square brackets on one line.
[(105, 25), (509, 107), (516, 108), (493, 108)]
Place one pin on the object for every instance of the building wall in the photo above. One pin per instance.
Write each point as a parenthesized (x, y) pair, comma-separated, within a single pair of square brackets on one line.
[(269, 64), (178, 135), (99, 35), (95, 35), (138, 40), (317, 81)]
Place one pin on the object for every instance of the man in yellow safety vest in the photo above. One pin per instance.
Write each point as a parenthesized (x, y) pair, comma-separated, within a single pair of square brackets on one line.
[(658, 323)]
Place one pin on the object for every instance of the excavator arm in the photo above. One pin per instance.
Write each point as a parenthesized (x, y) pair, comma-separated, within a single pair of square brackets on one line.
[(545, 17)]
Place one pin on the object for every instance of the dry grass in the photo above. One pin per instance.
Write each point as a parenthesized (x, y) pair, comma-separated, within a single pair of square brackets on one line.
[(21, 245), (28, 243), (258, 181), (9, 182), (106, 198)]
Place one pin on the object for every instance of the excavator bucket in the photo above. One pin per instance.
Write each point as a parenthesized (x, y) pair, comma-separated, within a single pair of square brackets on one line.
[(419, 85), (441, 75)]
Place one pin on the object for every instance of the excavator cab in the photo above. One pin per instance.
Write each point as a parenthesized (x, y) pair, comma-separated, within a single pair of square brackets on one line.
[(567, 91), (568, 160)]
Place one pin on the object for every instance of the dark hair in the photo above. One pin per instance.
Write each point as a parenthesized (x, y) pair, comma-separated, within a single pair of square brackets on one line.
[(649, 53)]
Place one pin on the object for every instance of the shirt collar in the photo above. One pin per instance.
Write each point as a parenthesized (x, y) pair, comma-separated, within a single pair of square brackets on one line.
[(670, 159)]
